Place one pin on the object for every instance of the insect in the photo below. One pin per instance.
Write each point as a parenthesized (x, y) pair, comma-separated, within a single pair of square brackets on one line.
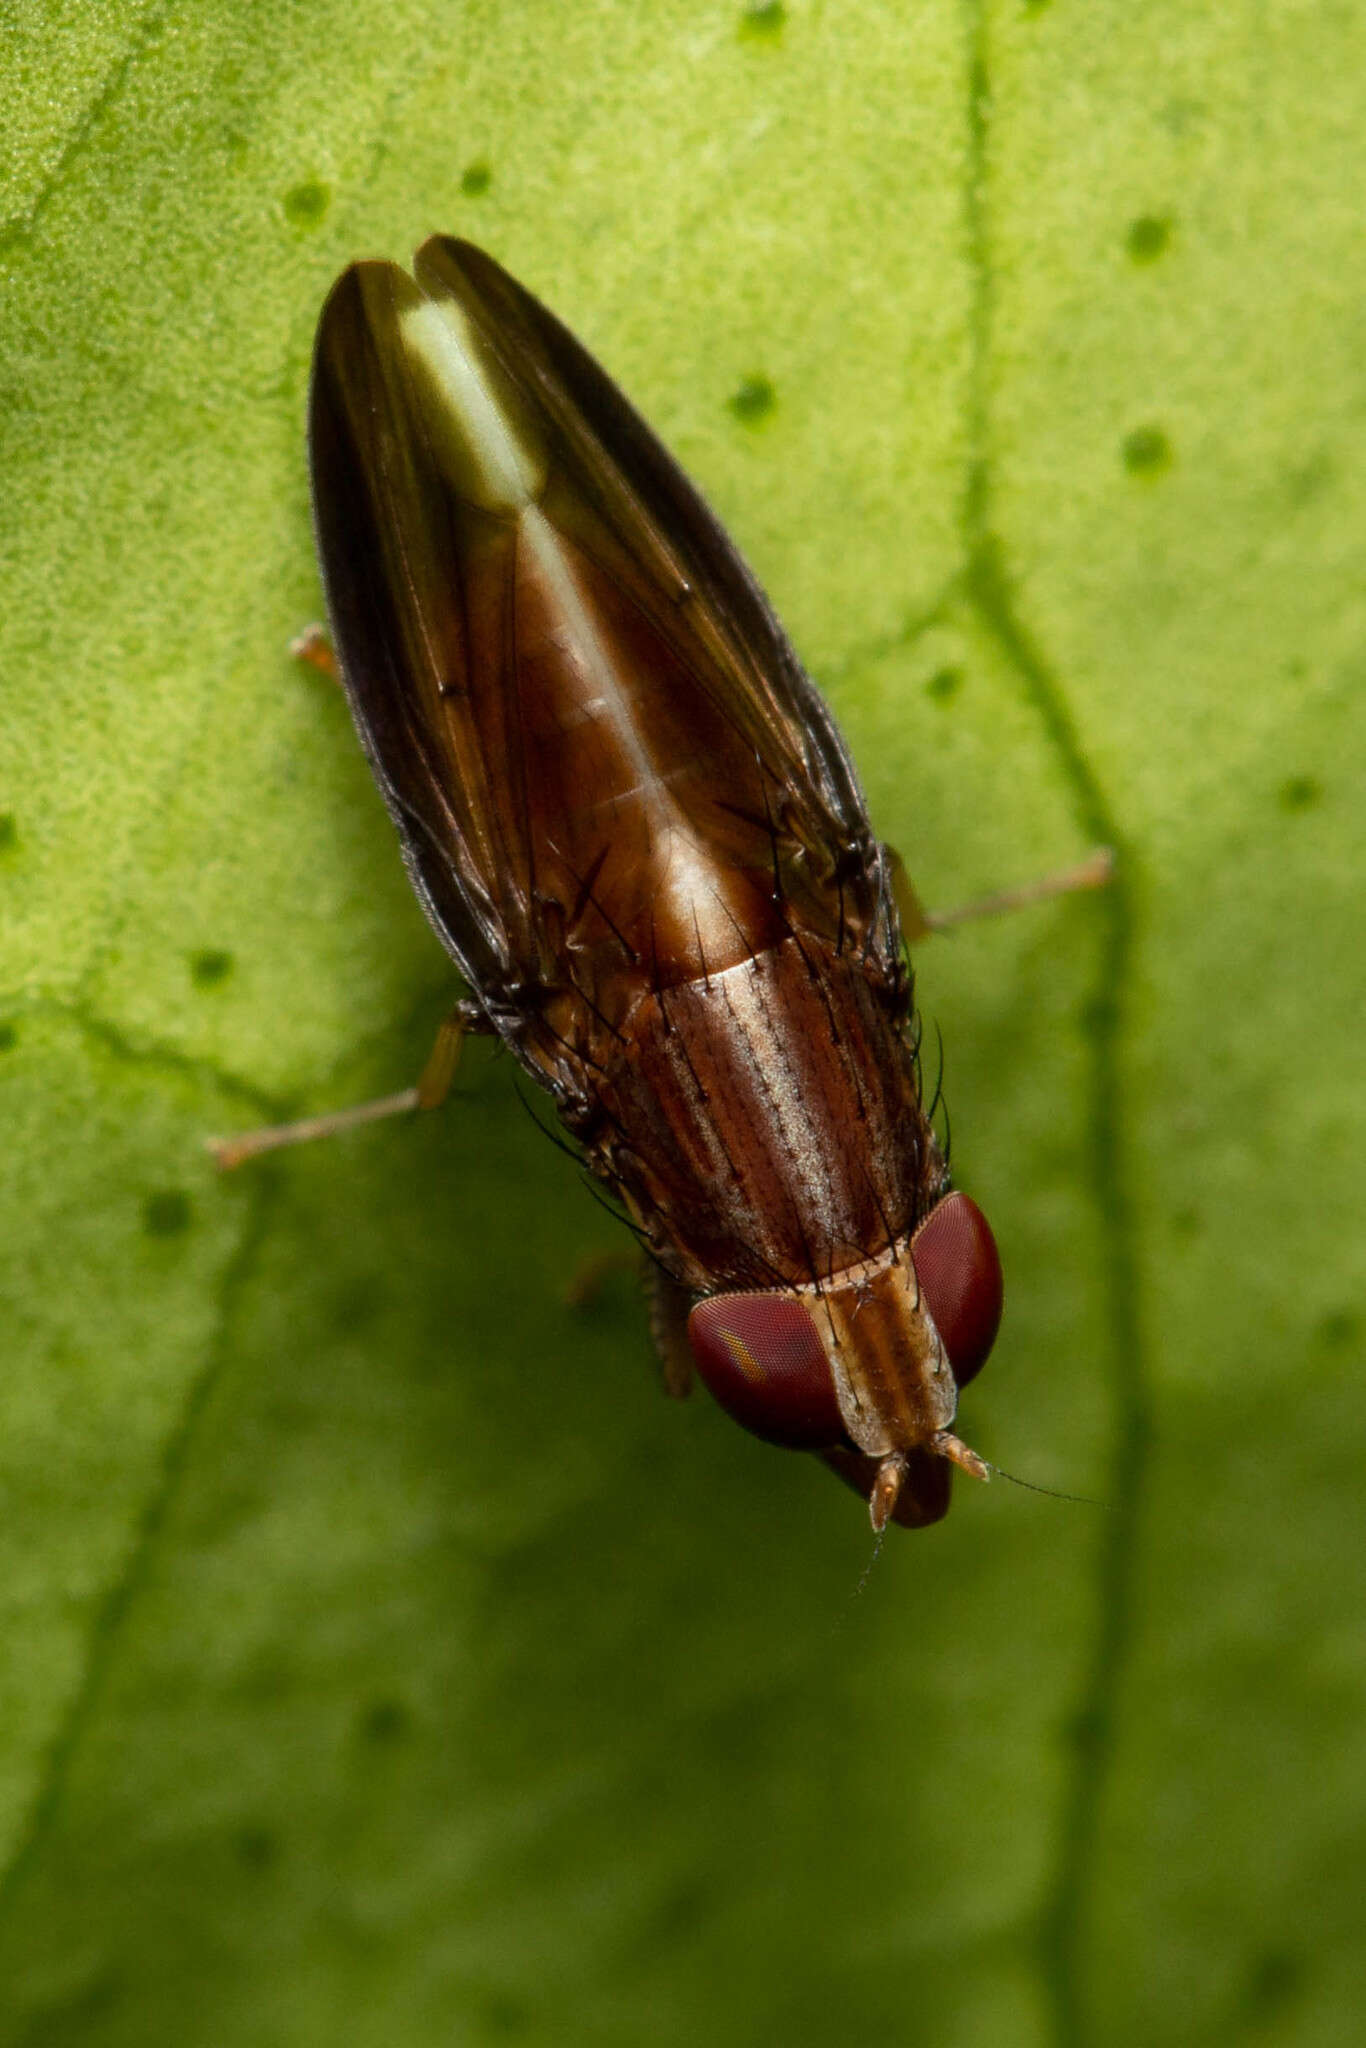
[(633, 824)]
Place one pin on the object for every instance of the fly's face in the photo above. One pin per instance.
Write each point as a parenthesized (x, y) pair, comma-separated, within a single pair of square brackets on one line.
[(866, 1370)]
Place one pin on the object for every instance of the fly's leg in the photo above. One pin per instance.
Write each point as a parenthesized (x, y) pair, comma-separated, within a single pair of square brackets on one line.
[(433, 1086), (917, 922), (669, 1306), (314, 647)]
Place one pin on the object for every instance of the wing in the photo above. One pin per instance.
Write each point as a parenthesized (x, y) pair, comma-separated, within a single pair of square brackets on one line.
[(597, 745)]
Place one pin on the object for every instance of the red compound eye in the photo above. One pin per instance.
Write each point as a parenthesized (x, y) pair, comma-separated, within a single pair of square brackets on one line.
[(959, 1269), (762, 1358)]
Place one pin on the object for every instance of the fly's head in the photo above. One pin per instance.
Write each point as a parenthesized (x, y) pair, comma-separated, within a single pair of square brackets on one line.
[(867, 1369)]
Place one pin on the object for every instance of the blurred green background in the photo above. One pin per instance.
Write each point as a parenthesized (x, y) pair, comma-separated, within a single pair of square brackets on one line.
[(381, 1659)]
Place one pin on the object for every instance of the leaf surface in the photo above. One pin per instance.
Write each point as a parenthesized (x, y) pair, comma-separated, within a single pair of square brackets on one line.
[(384, 1659)]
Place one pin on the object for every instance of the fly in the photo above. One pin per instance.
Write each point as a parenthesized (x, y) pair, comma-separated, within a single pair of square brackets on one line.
[(633, 824)]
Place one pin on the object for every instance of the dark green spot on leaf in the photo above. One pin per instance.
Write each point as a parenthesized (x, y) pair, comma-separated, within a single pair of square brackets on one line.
[(1339, 1329), (9, 831), (763, 21), (166, 1214), (753, 401), (210, 967), (1275, 1980), (1300, 792), (684, 1909), (1181, 116), (385, 1721), (1308, 480), (944, 683), (1148, 237), (1086, 1731), (9, 1037), (306, 205), (1147, 451), (358, 1302), (258, 1848), (475, 180), (1098, 1017)]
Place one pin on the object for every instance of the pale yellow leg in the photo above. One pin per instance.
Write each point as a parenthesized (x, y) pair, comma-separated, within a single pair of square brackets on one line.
[(917, 922), (886, 1490), (960, 1454), (434, 1082), (432, 1088)]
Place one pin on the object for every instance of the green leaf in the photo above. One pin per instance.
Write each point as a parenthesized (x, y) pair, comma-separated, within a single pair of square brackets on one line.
[(384, 1660)]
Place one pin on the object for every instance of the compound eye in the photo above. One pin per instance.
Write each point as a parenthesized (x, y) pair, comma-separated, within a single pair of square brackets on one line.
[(762, 1359), (959, 1269)]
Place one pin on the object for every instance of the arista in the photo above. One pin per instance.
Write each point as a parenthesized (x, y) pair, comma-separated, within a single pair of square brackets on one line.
[(633, 824)]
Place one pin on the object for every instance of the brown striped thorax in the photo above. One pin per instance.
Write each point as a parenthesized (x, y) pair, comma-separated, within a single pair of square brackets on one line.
[(631, 819)]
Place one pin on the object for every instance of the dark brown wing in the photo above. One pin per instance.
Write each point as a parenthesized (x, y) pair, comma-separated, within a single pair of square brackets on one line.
[(601, 753)]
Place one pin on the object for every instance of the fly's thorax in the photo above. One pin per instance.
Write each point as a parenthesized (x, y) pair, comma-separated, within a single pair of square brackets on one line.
[(891, 1370), (766, 1118)]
